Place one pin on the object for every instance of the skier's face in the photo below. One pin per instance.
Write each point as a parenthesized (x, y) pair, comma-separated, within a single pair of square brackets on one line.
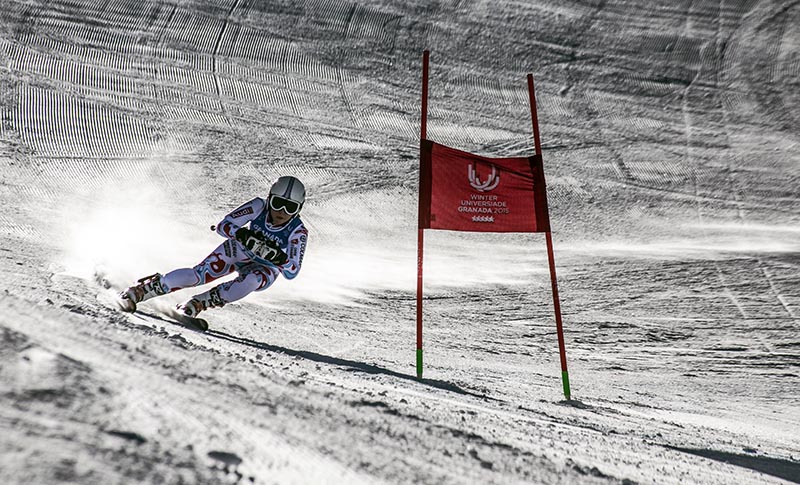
[(280, 217), (281, 209)]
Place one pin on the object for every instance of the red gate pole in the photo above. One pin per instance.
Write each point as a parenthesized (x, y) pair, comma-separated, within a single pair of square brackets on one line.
[(550, 256), (423, 135)]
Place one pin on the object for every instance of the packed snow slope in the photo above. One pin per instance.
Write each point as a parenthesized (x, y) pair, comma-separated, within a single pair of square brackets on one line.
[(672, 159)]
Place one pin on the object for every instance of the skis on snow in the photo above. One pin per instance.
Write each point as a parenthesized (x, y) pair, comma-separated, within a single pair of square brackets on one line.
[(128, 306), (192, 322)]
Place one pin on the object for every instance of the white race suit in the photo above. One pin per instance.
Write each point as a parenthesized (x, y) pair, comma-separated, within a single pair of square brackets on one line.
[(254, 274)]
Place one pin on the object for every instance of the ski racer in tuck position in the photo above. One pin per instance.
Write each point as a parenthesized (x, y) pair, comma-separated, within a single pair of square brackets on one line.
[(274, 243)]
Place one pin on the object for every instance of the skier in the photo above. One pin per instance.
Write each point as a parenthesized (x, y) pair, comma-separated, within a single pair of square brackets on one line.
[(274, 243)]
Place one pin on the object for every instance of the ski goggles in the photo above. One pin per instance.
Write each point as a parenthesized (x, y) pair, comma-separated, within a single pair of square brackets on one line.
[(279, 203)]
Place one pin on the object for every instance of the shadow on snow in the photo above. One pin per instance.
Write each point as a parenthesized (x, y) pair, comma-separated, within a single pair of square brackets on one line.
[(785, 469), (352, 364)]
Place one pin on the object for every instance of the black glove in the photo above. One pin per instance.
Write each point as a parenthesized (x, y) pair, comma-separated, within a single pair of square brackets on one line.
[(272, 252), (262, 247), (245, 236)]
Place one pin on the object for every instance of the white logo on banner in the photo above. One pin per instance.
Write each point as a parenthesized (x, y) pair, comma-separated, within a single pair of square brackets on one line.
[(490, 182)]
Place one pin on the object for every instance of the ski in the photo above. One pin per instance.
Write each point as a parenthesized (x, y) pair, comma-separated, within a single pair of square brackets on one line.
[(191, 322), (125, 304)]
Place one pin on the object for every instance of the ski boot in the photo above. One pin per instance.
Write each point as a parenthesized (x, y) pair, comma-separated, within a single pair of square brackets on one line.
[(147, 287), (188, 311)]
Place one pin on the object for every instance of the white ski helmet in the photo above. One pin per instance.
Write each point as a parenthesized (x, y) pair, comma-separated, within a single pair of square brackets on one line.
[(287, 193)]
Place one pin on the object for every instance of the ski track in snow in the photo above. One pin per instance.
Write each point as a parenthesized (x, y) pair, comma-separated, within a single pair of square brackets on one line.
[(671, 154)]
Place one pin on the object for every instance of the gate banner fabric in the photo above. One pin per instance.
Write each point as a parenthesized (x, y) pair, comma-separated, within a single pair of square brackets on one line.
[(460, 191)]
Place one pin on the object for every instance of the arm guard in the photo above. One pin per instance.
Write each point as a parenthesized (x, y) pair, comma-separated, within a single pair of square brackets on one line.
[(296, 251), (234, 221)]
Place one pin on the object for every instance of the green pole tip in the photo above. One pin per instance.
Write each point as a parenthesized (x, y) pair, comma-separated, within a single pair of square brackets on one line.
[(565, 381), (419, 363)]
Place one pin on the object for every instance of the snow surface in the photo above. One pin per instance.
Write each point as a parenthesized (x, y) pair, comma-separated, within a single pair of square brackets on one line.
[(673, 166)]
